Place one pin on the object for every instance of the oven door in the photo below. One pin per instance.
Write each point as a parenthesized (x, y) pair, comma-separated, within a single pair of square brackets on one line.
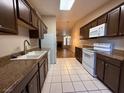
[(89, 58)]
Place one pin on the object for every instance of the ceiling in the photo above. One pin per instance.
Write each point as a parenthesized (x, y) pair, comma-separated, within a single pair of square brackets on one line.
[(66, 19)]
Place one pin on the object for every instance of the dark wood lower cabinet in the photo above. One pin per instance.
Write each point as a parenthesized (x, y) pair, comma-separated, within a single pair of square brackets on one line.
[(46, 67), (42, 75), (78, 54), (100, 69), (33, 86), (111, 77), (34, 80), (111, 72), (121, 89)]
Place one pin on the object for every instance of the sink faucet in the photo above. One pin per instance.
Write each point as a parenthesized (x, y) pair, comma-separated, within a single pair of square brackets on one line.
[(25, 47)]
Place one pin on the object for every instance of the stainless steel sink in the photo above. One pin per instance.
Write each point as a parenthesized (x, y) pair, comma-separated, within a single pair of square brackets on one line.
[(31, 55)]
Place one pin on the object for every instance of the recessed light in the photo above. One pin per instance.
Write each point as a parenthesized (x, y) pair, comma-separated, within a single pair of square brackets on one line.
[(66, 5)]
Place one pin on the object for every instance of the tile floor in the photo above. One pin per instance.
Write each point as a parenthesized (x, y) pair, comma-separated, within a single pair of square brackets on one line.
[(68, 76)]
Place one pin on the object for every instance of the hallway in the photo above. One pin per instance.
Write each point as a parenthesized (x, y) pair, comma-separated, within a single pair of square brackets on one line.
[(68, 76), (64, 53)]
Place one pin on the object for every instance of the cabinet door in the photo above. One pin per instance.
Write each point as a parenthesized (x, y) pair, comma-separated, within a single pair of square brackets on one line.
[(121, 27), (24, 11), (41, 35), (86, 31), (34, 19), (33, 86), (113, 22), (100, 69), (42, 75), (102, 19), (46, 67), (8, 16), (81, 32), (94, 23), (121, 89), (111, 77)]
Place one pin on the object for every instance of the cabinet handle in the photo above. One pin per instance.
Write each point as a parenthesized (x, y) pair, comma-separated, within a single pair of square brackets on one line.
[(1, 26), (106, 65), (102, 62), (30, 86)]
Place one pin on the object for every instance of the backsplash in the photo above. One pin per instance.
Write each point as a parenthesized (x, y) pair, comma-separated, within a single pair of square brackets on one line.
[(14, 43), (118, 42)]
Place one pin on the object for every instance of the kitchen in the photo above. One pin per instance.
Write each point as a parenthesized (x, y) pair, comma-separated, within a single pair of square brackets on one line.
[(29, 31)]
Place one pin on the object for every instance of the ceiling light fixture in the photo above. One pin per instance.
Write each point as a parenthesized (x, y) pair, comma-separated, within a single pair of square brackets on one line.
[(66, 5)]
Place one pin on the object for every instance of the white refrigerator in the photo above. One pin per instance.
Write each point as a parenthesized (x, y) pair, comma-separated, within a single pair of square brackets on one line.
[(49, 41)]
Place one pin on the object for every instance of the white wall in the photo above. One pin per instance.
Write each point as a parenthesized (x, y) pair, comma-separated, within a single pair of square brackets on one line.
[(118, 42), (49, 40), (14, 43)]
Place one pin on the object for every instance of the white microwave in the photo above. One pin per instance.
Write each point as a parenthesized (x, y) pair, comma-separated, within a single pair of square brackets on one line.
[(98, 31)]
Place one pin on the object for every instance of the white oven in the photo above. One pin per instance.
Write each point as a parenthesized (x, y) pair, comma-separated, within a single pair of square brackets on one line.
[(89, 56), (89, 61)]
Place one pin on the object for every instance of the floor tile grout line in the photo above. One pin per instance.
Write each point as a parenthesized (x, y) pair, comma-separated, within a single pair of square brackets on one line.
[(79, 77)]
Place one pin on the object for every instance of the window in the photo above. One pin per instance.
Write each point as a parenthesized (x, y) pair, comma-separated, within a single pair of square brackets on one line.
[(67, 40)]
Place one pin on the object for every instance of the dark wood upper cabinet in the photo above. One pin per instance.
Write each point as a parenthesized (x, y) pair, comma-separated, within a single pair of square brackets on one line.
[(8, 16), (100, 69), (94, 23), (87, 29), (102, 19), (84, 31), (24, 11), (121, 27), (113, 22), (112, 74), (38, 33), (34, 18)]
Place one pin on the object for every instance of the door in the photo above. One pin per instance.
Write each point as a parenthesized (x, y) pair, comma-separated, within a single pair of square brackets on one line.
[(121, 27), (33, 86), (24, 11), (42, 75), (111, 77), (8, 16), (113, 22), (100, 69)]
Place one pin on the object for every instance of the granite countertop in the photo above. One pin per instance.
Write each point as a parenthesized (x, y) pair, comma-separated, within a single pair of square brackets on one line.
[(85, 46), (11, 72), (116, 54)]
